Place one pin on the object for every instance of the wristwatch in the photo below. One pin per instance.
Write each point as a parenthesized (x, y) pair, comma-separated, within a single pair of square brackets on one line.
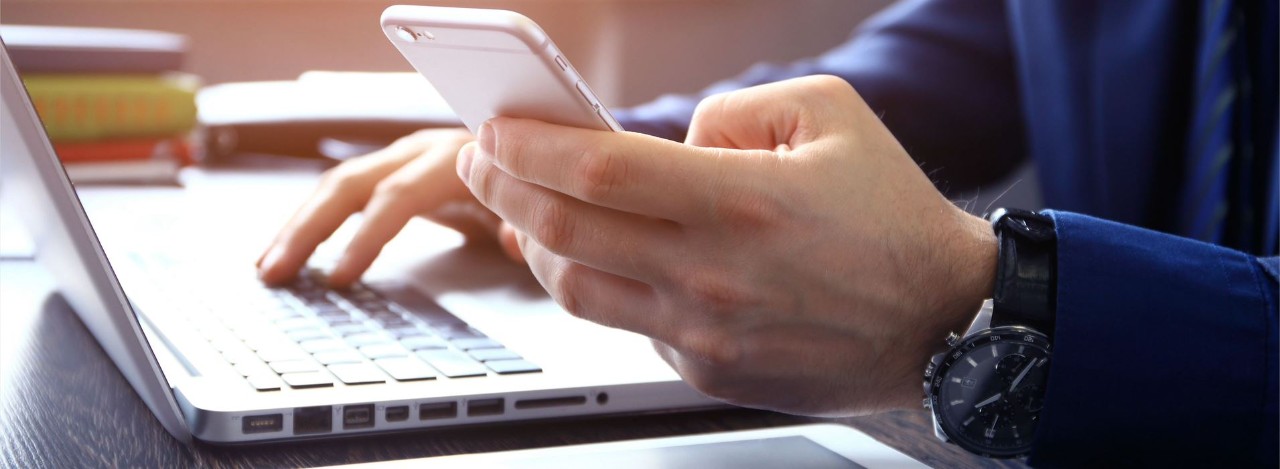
[(985, 394)]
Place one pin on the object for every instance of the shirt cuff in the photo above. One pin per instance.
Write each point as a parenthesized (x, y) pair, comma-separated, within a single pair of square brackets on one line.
[(1164, 352)]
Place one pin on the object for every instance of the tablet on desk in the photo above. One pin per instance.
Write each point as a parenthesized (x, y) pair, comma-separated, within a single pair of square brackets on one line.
[(803, 446)]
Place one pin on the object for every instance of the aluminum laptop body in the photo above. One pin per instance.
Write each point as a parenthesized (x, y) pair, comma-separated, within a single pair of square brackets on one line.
[(153, 325)]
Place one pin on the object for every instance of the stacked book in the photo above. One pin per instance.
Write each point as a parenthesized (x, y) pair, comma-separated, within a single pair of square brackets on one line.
[(113, 101)]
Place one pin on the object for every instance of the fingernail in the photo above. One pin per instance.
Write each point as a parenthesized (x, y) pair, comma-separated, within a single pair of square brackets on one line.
[(268, 262), (465, 155), (486, 138)]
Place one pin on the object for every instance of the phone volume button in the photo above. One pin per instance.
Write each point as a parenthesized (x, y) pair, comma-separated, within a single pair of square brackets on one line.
[(560, 61), (586, 93)]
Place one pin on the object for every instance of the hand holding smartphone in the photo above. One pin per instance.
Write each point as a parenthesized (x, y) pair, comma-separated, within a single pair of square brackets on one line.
[(492, 63)]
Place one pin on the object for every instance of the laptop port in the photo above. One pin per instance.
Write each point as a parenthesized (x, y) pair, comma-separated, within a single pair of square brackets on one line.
[(398, 413), (262, 423), (437, 410), (550, 402), (312, 420), (357, 416), (482, 407)]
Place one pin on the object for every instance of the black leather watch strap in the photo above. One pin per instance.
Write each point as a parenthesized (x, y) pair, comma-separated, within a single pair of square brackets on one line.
[(1027, 270)]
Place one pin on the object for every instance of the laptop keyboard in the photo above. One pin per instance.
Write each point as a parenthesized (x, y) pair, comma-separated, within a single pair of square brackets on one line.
[(306, 335)]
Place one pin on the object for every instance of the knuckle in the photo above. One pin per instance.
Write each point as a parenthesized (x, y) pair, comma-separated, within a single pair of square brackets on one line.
[(598, 175), (715, 293), (711, 107), (566, 287), (393, 188), (552, 226), (484, 182), (339, 177), (754, 209)]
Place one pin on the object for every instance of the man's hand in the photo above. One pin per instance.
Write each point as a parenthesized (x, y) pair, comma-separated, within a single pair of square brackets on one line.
[(790, 256), (411, 177)]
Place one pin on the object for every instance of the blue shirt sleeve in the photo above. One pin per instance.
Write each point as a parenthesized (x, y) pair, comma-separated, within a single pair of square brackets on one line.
[(940, 73), (1165, 352)]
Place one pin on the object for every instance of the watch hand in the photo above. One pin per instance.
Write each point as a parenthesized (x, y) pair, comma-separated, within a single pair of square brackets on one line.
[(1021, 375), (989, 400)]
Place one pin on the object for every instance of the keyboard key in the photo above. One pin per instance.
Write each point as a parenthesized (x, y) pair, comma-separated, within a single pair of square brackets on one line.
[(452, 364), (384, 351), (456, 331), (366, 338), (423, 342), (254, 368), (291, 324), (240, 355), (310, 379), (357, 373), (266, 340), (406, 368), (293, 366), (401, 332), (323, 345), (282, 352), (299, 335), (338, 356), (265, 382), (326, 309), (227, 343), (350, 329), (507, 367), (476, 343), (487, 354)]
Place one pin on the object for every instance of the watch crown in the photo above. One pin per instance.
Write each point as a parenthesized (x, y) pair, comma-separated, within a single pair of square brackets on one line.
[(953, 339), (926, 403)]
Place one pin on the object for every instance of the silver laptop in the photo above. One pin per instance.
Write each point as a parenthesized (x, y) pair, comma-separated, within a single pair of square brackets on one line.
[(440, 335)]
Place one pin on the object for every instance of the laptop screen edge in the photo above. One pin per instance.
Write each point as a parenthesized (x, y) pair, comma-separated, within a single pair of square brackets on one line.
[(68, 248)]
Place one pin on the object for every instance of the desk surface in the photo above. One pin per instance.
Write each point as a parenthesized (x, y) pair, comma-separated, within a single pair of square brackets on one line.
[(64, 404)]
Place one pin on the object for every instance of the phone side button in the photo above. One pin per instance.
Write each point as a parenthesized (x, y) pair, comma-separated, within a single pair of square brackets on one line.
[(600, 113), (586, 94), (560, 61)]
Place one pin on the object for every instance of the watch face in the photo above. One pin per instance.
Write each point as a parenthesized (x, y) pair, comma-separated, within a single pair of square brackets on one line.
[(987, 393)]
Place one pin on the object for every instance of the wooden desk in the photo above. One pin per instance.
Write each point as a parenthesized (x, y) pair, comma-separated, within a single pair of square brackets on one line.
[(64, 404)]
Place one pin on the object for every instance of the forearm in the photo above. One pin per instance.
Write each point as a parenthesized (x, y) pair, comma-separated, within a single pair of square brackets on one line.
[(1165, 351)]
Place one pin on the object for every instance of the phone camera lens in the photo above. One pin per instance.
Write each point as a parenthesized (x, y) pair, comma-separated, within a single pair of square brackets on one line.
[(406, 34)]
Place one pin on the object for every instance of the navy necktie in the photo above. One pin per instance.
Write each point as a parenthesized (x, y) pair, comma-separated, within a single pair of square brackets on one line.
[(1212, 146)]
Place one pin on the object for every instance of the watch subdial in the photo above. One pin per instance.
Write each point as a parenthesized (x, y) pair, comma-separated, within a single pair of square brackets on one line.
[(1009, 366), (1027, 398)]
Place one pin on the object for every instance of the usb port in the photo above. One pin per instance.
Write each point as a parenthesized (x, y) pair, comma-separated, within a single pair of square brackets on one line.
[(437, 410), (357, 416), (262, 423), (398, 413), (482, 407)]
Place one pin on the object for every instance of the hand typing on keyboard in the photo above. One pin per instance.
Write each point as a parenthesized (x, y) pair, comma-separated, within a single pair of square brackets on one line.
[(412, 177)]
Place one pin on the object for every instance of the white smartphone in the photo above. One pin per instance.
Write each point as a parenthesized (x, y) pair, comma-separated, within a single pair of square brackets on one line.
[(494, 63), (801, 446)]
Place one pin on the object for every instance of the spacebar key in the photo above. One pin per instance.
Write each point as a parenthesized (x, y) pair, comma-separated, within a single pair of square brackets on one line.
[(452, 364)]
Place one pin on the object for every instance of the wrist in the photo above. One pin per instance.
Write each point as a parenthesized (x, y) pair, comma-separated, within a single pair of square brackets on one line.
[(975, 256)]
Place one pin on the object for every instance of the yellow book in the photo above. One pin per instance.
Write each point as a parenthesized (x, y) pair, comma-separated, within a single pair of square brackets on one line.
[(93, 107)]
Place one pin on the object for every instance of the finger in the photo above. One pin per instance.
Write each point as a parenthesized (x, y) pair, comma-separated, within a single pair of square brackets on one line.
[(790, 114), (596, 296), (616, 242), (420, 186), (510, 244), (625, 171)]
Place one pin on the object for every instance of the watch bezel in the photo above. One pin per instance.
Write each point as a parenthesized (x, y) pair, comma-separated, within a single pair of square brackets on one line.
[(942, 363)]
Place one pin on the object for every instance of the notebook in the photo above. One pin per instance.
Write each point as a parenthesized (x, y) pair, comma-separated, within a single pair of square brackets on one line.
[(440, 335)]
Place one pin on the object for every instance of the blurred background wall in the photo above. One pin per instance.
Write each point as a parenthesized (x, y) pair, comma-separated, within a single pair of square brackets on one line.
[(629, 50)]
